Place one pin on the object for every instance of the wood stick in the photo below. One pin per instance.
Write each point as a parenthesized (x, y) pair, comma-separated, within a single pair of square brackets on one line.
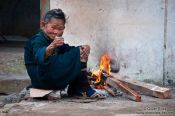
[(109, 90), (116, 83)]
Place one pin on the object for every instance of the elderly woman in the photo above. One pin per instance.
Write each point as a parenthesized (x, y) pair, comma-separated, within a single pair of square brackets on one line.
[(52, 64)]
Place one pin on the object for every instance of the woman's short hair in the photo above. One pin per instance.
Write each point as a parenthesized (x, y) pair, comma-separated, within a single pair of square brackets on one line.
[(54, 13)]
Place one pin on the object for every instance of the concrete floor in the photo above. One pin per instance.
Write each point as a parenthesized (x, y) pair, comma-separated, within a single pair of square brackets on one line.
[(118, 106)]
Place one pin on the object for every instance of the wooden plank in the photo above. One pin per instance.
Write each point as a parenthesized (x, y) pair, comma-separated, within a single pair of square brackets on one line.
[(118, 84), (145, 88)]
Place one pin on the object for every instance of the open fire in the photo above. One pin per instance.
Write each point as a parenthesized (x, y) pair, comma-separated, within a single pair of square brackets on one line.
[(102, 79), (100, 74)]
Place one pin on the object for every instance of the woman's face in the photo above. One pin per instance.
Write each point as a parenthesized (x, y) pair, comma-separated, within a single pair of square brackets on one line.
[(55, 27)]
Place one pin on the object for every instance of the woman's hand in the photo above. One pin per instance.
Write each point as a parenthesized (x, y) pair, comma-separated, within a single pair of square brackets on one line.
[(57, 42), (85, 49), (84, 53)]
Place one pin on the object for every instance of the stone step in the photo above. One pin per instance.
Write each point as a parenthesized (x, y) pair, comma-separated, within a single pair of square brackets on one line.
[(15, 83)]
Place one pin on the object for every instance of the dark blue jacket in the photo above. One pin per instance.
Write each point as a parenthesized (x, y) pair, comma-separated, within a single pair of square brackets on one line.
[(55, 72)]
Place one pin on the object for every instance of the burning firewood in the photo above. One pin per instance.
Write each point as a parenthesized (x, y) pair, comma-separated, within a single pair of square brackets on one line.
[(101, 84), (102, 79), (110, 80), (98, 75)]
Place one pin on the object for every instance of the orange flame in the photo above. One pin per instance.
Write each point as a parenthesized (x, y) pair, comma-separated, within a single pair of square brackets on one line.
[(105, 66), (105, 63)]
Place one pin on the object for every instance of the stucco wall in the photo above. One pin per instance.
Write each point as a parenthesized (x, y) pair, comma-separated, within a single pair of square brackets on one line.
[(131, 31), (170, 44)]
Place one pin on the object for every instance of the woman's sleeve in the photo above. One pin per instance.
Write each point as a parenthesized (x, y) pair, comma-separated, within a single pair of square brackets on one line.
[(39, 49), (67, 47)]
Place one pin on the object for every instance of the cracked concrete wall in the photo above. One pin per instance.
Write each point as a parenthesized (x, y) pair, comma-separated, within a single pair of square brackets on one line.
[(131, 31)]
